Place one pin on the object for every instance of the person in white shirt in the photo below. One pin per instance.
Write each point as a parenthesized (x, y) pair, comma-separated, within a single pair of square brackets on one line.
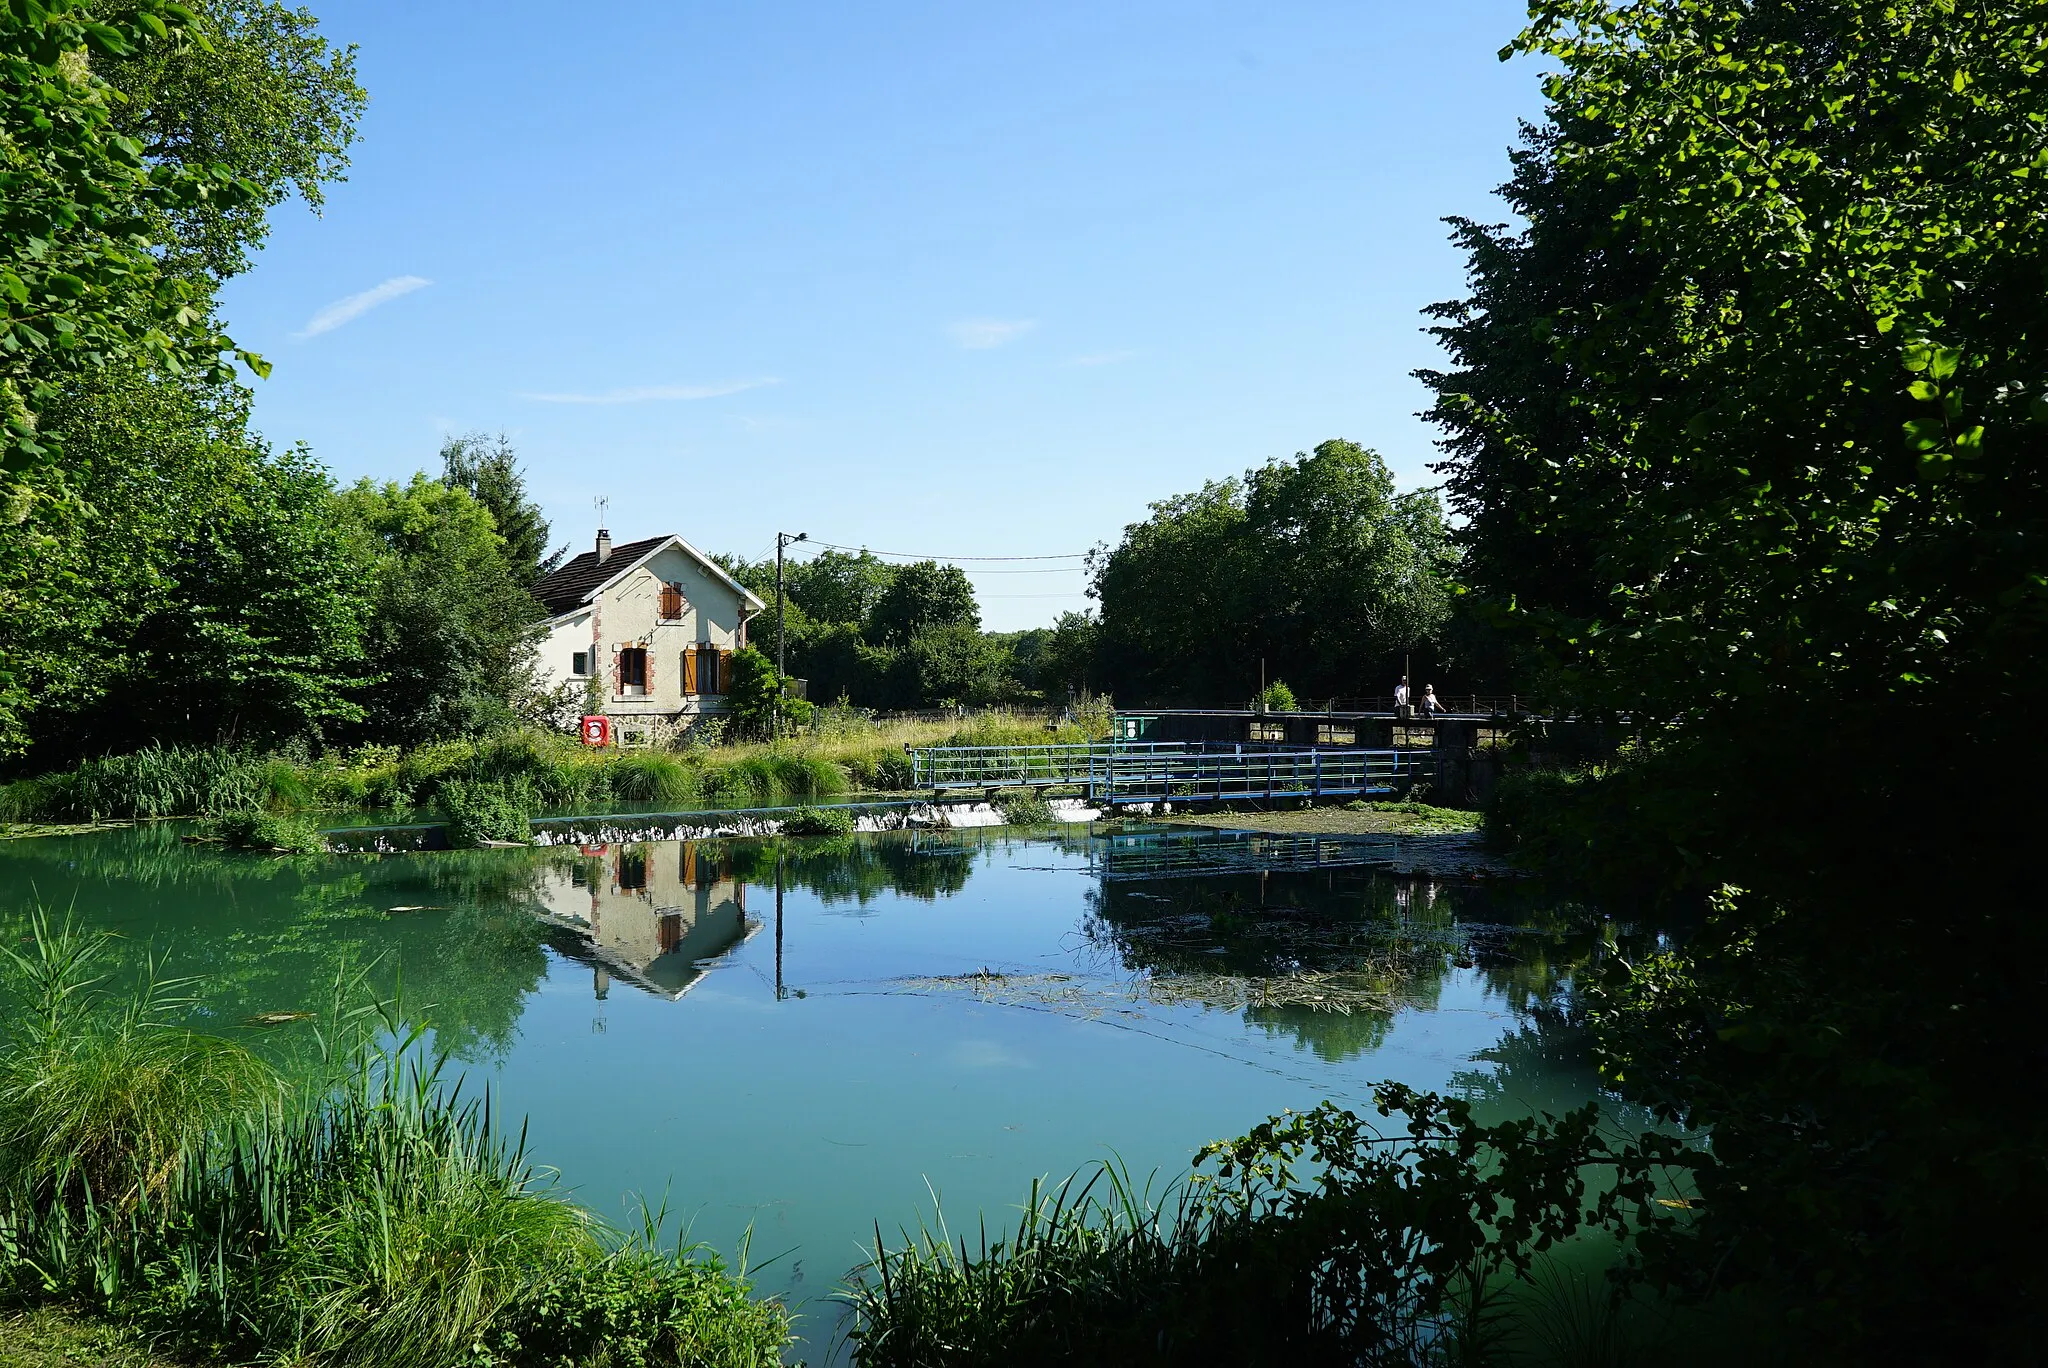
[(1429, 703), (1401, 693)]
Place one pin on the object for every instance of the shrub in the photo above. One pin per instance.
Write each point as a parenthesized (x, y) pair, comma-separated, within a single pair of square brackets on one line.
[(485, 811), (281, 833), (638, 1306), (1277, 697), (1027, 810), (810, 821), (893, 771)]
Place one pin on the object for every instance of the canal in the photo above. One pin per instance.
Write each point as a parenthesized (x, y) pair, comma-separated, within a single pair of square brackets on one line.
[(790, 1041)]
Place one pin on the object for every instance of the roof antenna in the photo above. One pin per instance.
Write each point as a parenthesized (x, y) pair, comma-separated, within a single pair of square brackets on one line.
[(603, 505)]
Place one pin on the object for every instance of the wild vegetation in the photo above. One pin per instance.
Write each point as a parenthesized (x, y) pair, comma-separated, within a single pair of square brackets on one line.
[(488, 788), (1746, 425), (369, 1214)]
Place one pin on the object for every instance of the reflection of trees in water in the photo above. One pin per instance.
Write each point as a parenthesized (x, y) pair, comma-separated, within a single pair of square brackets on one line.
[(1333, 1037), (861, 868), (272, 934)]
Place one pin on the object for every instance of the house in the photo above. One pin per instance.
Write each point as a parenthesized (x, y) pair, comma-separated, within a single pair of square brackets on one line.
[(651, 913), (644, 633)]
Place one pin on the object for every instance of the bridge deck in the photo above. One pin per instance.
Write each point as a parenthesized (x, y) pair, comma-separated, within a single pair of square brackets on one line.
[(1151, 772)]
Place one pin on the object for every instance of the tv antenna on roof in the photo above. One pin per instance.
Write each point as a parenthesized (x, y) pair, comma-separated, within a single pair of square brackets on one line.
[(602, 503)]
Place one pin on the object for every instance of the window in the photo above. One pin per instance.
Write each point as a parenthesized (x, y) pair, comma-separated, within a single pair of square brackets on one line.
[(1335, 734), (632, 871), (633, 670), (704, 669), (671, 602), (579, 664), (1268, 731)]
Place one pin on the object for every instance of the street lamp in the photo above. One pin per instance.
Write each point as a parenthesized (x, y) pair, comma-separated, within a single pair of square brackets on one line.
[(782, 540)]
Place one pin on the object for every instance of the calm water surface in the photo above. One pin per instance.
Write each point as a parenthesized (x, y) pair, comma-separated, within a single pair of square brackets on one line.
[(806, 1037)]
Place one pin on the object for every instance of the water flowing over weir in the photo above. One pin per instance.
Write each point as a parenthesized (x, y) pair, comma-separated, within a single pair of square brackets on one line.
[(794, 1036)]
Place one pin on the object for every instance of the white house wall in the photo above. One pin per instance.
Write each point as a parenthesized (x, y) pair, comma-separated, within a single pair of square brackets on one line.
[(628, 614)]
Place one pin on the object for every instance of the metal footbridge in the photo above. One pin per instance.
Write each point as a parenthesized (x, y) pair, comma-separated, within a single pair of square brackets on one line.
[(1165, 771)]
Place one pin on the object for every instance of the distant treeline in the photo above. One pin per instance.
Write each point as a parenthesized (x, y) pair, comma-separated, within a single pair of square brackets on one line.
[(1311, 570)]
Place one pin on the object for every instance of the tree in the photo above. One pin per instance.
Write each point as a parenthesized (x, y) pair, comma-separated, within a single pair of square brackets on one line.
[(488, 469), (82, 285), (1314, 565), (144, 144), (919, 598), (1746, 424), (265, 94), (450, 640), (756, 696), (259, 638)]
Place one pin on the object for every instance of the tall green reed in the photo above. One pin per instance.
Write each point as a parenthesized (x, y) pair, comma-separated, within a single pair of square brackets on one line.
[(371, 1215)]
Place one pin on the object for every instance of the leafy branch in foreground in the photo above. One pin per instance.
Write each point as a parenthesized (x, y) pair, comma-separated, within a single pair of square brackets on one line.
[(1313, 1238)]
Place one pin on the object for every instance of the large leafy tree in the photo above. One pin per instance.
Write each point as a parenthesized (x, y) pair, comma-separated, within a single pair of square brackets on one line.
[(1747, 422), (920, 598), (452, 629), (143, 144), (1315, 565)]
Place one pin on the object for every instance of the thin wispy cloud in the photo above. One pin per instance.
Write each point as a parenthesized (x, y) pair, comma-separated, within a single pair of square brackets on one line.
[(651, 394), (348, 310), (979, 334), (1108, 358)]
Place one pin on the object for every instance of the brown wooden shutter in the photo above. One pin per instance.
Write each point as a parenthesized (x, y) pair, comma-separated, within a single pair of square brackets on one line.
[(689, 672), (724, 671), (671, 601)]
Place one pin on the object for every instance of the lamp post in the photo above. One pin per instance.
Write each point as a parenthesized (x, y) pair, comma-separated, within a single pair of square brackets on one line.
[(782, 539)]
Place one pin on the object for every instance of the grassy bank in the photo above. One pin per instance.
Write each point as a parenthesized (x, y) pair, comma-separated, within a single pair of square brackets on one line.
[(1314, 1239), (489, 786), (180, 1187)]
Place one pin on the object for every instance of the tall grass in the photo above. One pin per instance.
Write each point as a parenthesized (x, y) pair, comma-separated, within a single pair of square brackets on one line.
[(105, 1095), (387, 1220), (549, 770)]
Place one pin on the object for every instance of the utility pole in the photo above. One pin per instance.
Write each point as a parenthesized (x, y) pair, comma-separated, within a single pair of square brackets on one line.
[(782, 539)]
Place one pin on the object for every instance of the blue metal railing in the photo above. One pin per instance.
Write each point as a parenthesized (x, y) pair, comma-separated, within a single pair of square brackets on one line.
[(1149, 772)]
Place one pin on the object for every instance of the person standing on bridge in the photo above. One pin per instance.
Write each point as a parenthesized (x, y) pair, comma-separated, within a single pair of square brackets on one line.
[(1429, 703), (1401, 694)]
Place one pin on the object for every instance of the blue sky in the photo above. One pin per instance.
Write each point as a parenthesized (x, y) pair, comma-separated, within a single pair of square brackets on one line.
[(977, 279)]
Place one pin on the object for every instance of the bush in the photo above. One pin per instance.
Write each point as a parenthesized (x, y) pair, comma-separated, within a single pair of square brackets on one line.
[(280, 833), (1276, 697), (1028, 810), (810, 821), (636, 1306), (486, 811)]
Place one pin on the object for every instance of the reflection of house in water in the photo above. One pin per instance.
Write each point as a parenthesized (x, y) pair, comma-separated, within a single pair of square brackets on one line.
[(650, 912)]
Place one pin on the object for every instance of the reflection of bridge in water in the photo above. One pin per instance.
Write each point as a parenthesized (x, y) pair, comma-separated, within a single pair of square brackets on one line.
[(1193, 854), (651, 913)]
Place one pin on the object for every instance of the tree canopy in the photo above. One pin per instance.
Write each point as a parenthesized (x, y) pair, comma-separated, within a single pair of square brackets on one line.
[(1314, 564), (1746, 422)]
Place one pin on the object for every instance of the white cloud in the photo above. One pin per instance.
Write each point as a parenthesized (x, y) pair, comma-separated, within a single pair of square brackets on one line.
[(1109, 358), (654, 393), (356, 305), (979, 334)]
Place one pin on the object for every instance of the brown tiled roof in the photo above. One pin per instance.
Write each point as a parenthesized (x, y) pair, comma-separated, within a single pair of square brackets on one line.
[(570, 584)]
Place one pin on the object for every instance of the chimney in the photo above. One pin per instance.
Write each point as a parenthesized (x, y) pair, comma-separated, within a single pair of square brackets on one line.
[(604, 545)]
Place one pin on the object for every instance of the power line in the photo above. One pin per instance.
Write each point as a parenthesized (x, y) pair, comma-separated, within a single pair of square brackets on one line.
[(921, 556)]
